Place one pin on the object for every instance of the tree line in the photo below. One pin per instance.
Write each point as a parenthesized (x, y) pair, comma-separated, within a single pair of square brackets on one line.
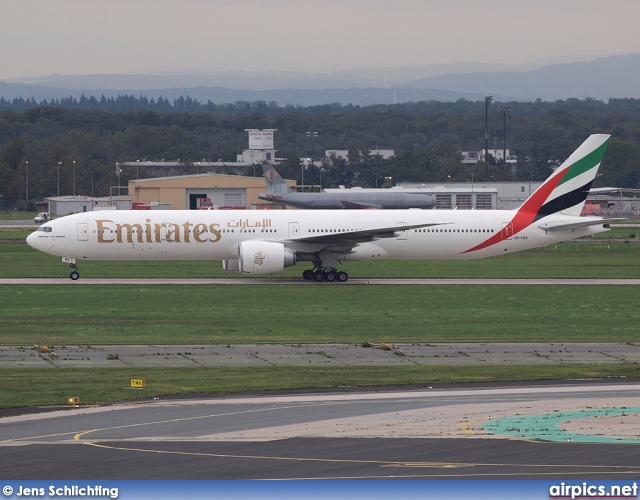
[(65, 141), (186, 104)]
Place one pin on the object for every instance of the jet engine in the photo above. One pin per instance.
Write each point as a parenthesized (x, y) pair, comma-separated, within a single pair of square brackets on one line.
[(264, 257)]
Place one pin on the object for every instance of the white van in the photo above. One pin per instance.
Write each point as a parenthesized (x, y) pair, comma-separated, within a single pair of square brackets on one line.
[(42, 217)]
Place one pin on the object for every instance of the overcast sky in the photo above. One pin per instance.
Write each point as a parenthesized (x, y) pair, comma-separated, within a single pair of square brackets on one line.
[(42, 37)]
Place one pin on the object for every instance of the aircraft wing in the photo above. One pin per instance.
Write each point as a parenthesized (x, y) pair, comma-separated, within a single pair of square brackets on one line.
[(576, 222), (352, 238), (359, 205)]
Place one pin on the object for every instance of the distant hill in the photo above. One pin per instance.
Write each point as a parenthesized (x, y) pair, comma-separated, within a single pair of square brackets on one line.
[(602, 78)]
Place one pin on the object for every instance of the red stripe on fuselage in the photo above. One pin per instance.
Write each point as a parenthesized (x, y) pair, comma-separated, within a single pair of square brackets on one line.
[(526, 214)]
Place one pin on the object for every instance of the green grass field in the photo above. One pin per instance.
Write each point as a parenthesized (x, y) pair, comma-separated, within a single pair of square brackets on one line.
[(211, 314), (29, 387), (221, 314)]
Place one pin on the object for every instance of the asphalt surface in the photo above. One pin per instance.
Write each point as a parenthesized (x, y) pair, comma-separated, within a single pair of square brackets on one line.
[(420, 434), (300, 281)]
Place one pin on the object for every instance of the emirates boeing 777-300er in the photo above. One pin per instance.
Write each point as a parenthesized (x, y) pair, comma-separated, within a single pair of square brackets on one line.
[(265, 242)]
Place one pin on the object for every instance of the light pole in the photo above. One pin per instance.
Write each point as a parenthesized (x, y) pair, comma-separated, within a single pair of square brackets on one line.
[(26, 171), (472, 204), (59, 165), (504, 108), (487, 100), (312, 135), (302, 173), (74, 177)]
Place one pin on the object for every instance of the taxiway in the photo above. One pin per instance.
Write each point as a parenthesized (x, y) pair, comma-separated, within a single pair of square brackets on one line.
[(421, 434)]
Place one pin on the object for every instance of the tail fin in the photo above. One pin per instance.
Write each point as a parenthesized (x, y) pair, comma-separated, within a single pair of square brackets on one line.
[(566, 190), (276, 186)]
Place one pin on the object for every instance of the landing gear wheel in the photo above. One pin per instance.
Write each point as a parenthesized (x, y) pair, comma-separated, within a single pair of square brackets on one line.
[(74, 275), (342, 276), (330, 276), (308, 274), (318, 276)]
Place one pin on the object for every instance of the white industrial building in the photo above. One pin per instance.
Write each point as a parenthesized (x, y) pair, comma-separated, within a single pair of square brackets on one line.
[(473, 157), (65, 205), (505, 195)]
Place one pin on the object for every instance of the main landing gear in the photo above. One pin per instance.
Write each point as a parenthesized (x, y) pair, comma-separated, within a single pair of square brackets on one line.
[(322, 274)]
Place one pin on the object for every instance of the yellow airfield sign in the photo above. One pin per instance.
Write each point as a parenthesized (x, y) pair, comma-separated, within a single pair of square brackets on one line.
[(136, 383)]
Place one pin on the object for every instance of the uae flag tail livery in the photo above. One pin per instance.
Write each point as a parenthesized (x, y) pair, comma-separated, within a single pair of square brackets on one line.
[(563, 193)]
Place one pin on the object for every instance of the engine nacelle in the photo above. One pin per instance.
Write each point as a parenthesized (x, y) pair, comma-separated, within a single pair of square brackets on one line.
[(264, 257)]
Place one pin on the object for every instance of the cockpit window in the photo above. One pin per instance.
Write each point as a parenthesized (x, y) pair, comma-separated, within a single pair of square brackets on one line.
[(44, 229)]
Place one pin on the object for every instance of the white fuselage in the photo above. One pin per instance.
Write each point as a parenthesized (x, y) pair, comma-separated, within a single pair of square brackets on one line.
[(216, 234)]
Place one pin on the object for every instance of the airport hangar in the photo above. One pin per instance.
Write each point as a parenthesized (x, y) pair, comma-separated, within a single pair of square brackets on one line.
[(188, 192), (185, 192)]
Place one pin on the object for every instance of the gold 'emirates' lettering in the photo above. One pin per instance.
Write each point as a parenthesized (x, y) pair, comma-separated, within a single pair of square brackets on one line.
[(111, 232)]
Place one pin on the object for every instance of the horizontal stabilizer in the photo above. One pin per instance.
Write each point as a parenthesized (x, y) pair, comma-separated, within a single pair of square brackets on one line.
[(575, 223)]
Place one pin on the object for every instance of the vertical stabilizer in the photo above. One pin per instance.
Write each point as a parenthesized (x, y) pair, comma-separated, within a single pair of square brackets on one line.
[(566, 190), (276, 186), (563, 193)]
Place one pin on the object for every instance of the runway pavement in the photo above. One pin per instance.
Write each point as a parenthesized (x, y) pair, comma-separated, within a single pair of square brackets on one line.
[(420, 434), (300, 281)]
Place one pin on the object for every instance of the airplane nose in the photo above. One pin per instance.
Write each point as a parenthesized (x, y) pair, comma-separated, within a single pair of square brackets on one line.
[(31, 239)]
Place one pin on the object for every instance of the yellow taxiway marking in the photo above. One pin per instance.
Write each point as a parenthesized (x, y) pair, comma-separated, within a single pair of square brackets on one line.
[(464, 426), (79, 436)]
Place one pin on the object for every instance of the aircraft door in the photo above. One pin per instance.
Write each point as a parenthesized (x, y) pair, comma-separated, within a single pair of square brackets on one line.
[(167, 232), (404, 234), (83, 231), (294, 229), (507, 231)]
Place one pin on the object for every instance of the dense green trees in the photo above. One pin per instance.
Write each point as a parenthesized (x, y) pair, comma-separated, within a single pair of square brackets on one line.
[(427, 138)]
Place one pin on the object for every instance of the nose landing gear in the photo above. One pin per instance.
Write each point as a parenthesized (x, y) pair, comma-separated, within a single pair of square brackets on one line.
[(71, 261), (74, 275)]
